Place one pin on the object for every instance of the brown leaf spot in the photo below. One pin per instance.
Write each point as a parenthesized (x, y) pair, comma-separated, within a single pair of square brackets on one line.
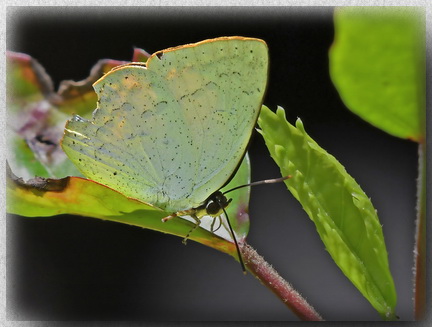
[(37, 183)]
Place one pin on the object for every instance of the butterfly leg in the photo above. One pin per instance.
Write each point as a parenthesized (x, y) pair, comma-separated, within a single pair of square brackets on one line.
[(214, 222), (190, 213), (198, 222), (176, 214), (169, 217)]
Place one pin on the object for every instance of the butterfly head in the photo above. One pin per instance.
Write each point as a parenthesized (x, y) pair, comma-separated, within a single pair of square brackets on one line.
[(213, 206)]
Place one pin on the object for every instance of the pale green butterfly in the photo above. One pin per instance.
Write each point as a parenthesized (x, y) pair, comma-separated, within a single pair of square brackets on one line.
[(173, 131)]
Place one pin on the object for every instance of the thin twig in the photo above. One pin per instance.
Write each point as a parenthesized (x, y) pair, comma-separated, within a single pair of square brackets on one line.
[(420, 246), (270, 278)]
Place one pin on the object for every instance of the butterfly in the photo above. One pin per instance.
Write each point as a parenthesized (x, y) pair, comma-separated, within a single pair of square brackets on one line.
[(171, 132)]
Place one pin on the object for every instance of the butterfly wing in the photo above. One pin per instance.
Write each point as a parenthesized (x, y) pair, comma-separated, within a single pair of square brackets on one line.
[(173, 131)]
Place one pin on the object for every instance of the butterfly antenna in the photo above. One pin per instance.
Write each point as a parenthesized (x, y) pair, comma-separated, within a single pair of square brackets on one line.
[(235, 241), (266, 181)]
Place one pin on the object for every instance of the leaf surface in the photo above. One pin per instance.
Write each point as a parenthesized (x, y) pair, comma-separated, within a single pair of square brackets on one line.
[(78, 196), (378, 65), (342, 213)]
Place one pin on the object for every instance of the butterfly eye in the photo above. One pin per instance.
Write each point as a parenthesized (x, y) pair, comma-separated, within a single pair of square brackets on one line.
[(213, 208)]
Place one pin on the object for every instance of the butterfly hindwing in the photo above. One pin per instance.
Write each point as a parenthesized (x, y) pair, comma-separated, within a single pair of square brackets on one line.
[(172, 132)]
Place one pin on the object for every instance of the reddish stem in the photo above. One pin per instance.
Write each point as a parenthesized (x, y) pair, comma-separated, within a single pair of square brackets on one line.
[(270, 278), (420, 247)]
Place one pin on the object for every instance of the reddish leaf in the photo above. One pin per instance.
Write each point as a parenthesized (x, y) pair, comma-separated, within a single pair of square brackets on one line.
[(140, 55)]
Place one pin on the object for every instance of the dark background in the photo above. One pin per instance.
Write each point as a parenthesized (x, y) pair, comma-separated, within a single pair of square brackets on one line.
[(79, 268)]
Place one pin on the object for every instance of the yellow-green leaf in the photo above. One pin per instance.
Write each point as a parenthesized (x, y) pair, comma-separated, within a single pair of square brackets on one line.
[(42, 197), (377, 63), (343, 215)]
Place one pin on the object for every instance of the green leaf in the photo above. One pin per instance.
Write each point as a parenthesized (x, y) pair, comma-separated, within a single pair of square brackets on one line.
[(378, 65), (343, 215), (23, 160), (238, 209), (78, 196)]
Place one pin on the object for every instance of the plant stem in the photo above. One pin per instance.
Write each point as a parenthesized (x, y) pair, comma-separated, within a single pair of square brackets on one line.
[(270, 278), (420, 246)]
